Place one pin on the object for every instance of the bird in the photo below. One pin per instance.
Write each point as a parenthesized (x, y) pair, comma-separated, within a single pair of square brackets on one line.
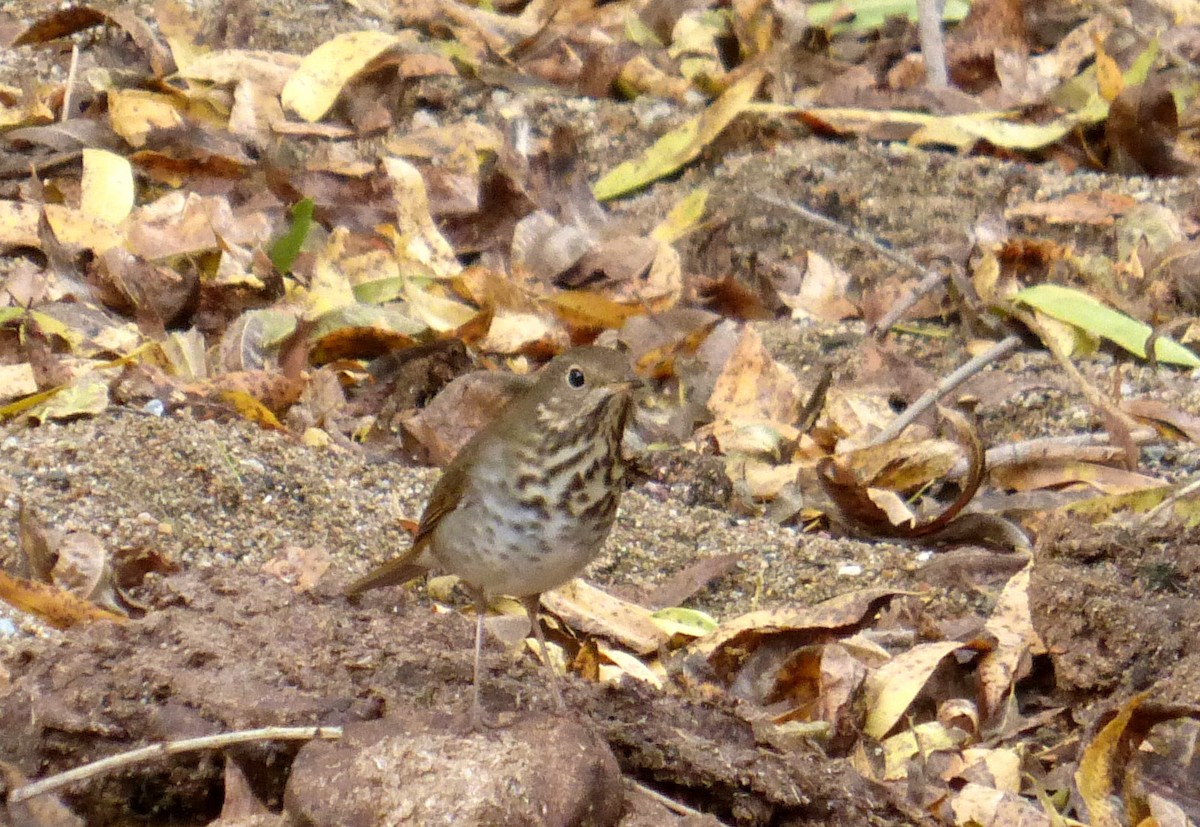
[(531, 498)]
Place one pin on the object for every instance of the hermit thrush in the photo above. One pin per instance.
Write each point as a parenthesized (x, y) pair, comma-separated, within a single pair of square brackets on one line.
[(530, 499)]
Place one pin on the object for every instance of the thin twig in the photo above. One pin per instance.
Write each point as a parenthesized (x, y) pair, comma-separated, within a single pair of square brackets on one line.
[(948, 383), (930, 280), (71, 72), (670, 803), (1176, 495), (1090, 392), (933, 43), (1046, 448), (165, 748)]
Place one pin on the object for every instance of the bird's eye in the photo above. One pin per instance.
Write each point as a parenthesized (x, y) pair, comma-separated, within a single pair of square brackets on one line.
[(575, 378)]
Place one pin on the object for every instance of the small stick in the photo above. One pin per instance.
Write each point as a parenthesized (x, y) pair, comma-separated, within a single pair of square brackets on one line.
[(1090, 392), (165, 748), (1176, 496), (671, 804), (71, 72), (1050, 448), (948, 383), (933, 43), (930, 280)]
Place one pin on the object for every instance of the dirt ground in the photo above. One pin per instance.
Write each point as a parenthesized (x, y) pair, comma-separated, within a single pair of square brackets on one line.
[(225, 646)]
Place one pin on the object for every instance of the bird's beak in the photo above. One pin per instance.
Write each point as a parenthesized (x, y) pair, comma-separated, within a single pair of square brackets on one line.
[(629, 385)]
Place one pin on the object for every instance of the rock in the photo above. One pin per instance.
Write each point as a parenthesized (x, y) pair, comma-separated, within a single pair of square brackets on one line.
[(425, 768)]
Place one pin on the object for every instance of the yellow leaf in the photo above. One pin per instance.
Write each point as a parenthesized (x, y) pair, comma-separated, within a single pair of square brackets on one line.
[(133, 113), (596, 612), (54, 605), (86, 395), (75, 227), (421, 249), (680, 145), (440, 313), (1098, 777), (107, 186), (330, 287), (923, 739), (625, 664), (1108, 74), (251, 409), (891, 688), (18, 224), (324, 72), (682, 218)]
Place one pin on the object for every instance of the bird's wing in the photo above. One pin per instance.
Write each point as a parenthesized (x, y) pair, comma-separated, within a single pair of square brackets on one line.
[(446, 495), (414, 562)]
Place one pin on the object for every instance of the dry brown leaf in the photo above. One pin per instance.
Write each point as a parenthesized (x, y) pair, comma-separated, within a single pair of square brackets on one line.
[(529, 333), (987, 807), (753, 387), (326, 71), (301, 568), (1052, 473), (1158, 412), (1011, 624), (736, 638), (890, 689), (1098, 208), (52, 604), (594, 611), (821, 292), (442, 427)]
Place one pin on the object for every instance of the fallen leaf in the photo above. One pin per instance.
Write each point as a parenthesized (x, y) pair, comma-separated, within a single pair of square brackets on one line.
[(1087, 313), (681, 145), (890, 689), (593, 611), (325, 71)]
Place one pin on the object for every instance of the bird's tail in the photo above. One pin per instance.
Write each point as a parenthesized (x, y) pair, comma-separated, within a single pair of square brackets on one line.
[(392, 573)]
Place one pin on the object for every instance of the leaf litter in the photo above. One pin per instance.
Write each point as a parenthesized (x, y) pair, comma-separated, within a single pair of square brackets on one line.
[(380, 270)]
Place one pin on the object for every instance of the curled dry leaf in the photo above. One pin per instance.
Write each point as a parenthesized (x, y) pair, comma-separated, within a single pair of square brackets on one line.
[(819, 291), (734, 640), (55, 606), (1016, 640), (865, 510), (77, 562), (325, 72), (299, 567), (420, 247)]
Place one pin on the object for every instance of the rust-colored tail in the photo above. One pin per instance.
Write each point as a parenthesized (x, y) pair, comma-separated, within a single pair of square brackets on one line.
[(394, 572)]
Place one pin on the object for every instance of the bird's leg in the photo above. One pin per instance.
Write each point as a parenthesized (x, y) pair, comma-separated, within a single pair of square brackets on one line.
[(481, 605), (532, 603)]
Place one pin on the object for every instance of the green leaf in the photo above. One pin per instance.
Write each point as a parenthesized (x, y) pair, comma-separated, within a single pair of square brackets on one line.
[(287, 247), (690, 622), (86, 395), (871, 14), (1090, 314)]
